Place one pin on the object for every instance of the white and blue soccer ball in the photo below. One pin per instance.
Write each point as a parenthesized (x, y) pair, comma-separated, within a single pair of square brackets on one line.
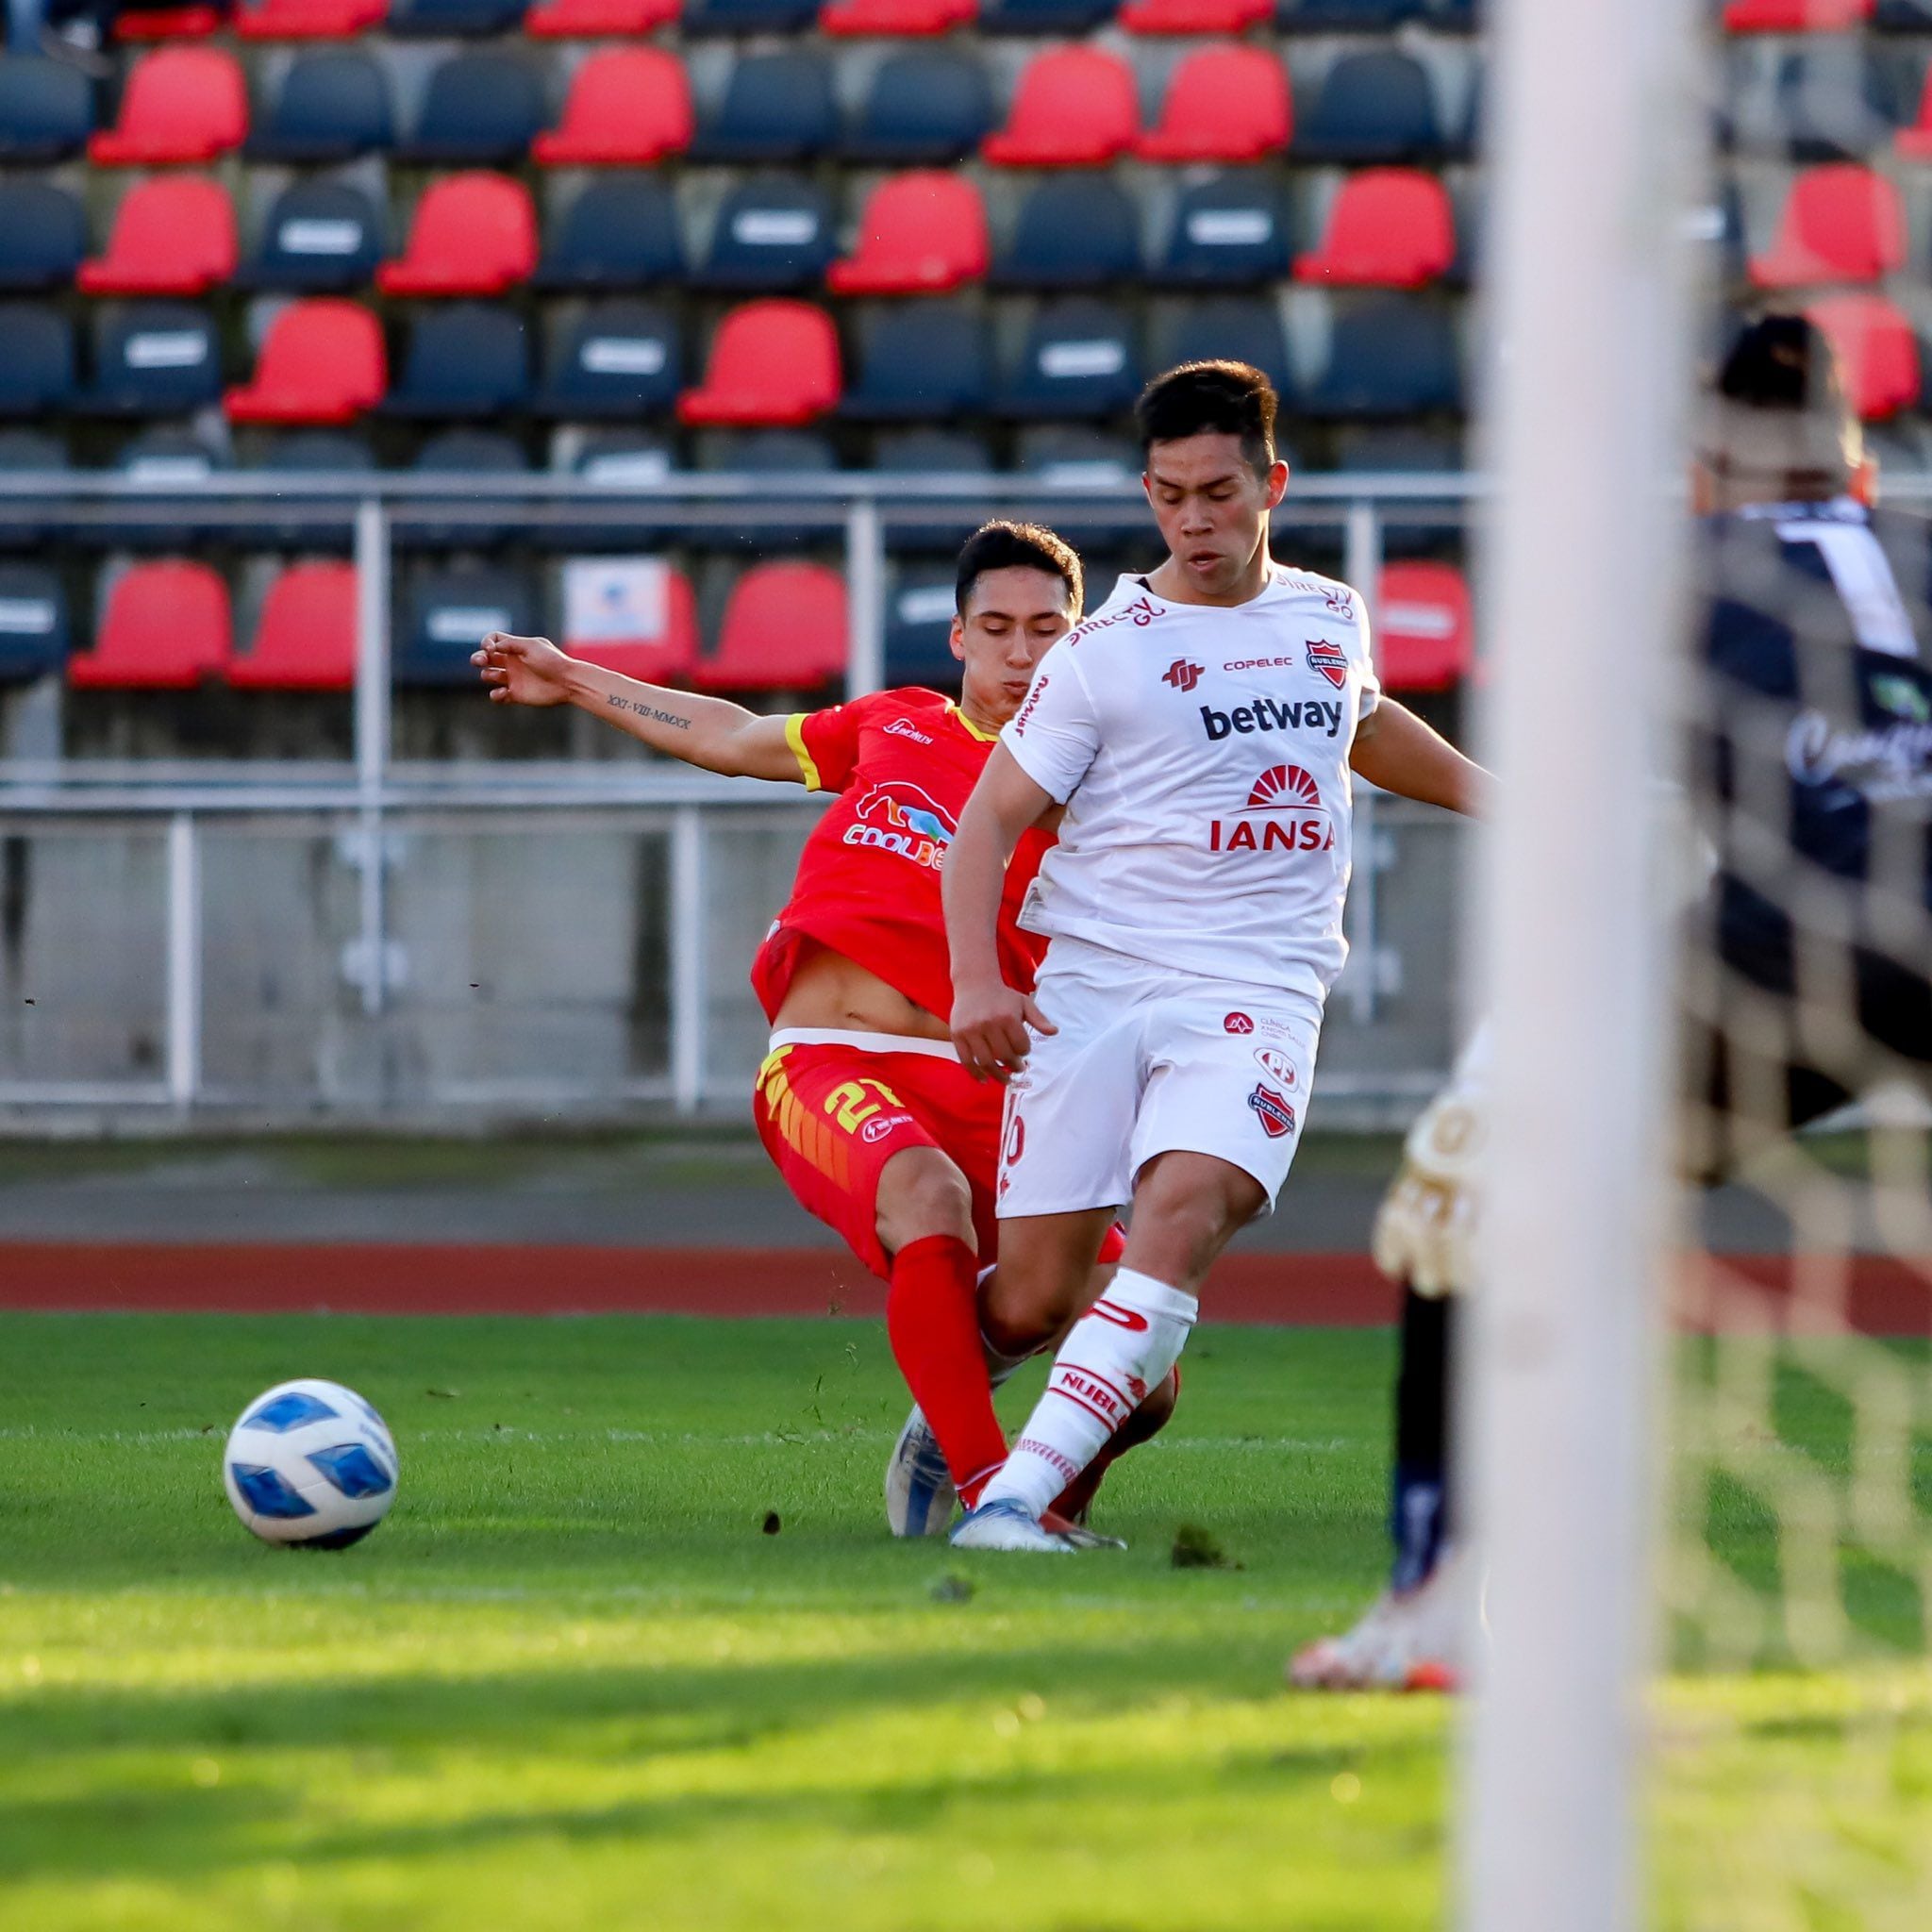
[(310, 1464)]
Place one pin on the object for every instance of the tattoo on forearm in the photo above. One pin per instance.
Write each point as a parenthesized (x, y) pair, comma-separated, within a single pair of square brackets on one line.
[(620, 703)]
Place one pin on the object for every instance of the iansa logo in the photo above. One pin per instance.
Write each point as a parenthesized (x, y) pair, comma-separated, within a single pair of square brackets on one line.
[(1282, 787), (1182, 675), (1330, 659), (1284, 813)]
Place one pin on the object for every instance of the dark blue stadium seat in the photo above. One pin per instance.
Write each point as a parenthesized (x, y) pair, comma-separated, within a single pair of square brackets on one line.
[(1388, 356), (35, 451), (618, 359), (1076, 230), (1069, 17), (165, 456), (1375, 106), (1904, 16), (469, 359), (446, 613), (768, 453), (1827, 103), (921, 362), (42, 236), (440, 19), (481, 107), (1081, 459), (307, 453), (773, 232), (777, 108), (1458, 16), (1079, 362), (1229, 232), (919, 628), (701, 17), (1343, 16), (320, 236), (614, 457), (1387, 447), (620, 231), (332, 105), (926, 107), (34, 631), (153, 358), (46, 108), (37, 371), (463, 455), (1240, 330), (930, 453)]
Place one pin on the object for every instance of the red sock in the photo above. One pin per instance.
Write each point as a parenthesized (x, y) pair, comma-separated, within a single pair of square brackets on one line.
[(932, 1319)]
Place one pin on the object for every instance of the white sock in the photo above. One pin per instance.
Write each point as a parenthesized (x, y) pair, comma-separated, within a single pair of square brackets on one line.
[(1123, 1346)]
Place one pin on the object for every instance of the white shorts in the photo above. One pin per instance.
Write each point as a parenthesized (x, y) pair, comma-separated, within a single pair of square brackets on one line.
[(1148, 1061)]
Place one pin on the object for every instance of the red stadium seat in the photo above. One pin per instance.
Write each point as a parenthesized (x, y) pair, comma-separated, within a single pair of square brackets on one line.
[(1876, 350), (173, 235), (1076, 107), (306, 639), (785, 628), (1841, 223), (1224, 104), (166, 628), (168, 24), (900, 19), (1389, 228), (596, 20), (1425, 639), (668, 654), (773, 364), (1195, 16), (322, 361), (1795, 16), (627, 106), (309, 20), (920, 233), (473, 234), (182, 104)]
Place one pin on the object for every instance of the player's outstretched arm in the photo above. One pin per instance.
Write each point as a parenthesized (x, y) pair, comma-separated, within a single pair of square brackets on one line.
[(712, 733), (990, 1017), (1394, 749)]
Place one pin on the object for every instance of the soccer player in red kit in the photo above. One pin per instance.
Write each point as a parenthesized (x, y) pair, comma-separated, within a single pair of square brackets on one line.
[(862, 1103)]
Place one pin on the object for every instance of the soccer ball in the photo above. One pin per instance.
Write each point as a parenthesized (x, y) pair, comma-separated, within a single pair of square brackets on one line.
[(310, 1464)]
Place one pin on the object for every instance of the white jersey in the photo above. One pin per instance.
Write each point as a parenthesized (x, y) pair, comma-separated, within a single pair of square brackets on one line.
[(1202, 754)]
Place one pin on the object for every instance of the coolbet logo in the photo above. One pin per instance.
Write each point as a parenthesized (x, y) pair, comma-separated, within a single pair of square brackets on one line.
[(1275, 1115), (1330, 659), (1284, 813), (1182, 675), (1264, 714), (1237, 1023), (1277, 1066), (895, 816)]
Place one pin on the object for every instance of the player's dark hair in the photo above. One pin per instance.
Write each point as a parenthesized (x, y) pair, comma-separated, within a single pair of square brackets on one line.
[(1782, 362), (1777, 425), (1212, 398), (1018, 546)]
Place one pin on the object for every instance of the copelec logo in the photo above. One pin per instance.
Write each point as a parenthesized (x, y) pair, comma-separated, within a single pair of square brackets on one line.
[(895, 816), (1237, 1023), (1330, 659), (1182, 675), (1272, 1110)]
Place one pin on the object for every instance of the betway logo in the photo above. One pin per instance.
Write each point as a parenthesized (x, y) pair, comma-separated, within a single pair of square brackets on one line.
[(1264, 714)]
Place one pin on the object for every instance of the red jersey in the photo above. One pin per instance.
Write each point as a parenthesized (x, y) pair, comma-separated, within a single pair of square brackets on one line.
[(868, 880)]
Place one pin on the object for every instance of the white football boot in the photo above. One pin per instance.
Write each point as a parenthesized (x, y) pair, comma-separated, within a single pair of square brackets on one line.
[(1007, 1524), (919, 1490), (1414, 1640)]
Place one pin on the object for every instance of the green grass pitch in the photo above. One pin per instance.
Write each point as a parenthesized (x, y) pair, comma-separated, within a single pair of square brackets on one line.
[(573, 1683)]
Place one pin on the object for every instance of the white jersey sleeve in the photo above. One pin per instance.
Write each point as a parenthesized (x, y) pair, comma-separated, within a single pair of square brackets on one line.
[(1056, 733)]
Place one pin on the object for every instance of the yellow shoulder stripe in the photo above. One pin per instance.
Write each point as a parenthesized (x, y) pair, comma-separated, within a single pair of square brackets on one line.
[(794, 736)]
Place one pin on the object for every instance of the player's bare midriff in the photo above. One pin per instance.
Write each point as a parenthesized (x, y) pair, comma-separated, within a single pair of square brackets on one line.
[(831, 991)]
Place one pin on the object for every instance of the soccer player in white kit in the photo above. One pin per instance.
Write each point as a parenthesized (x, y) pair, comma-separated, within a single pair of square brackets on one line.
[(1200, 730)]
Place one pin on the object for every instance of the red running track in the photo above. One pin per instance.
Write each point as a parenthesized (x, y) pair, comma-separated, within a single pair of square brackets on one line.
[(1872, 1294)]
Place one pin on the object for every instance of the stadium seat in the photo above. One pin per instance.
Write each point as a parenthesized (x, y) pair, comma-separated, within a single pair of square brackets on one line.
[(182, 104), (164, 458), (1074, 231), (42, 236), (164, 626), (785, 628), (618, 232), (895, 18), (1224, 104), (449, 611), (627, 106), (331, 105), (921, 362), (473, 234), (741, 17), (1389, 356), (1074, 108), (36, 453), (309, 20), (153, 358), (460, 457), (1425, 634), (596, 20), (433, 20), (1229, 232), (1343, 16), (173, 235), (46, 108), (1903, 16), (1841, 223), (919, 629), (1372, 106), (34, 632), (320, 237), (618, 359), (926, 107), (467, 362), (1195, 16), (320, 361), (1237, 329), (773, 232), (770, 453), (1080, 459), (307, 453), (1389, 228), (919, 234), (1795, 16), (635, 615), (483, 107), (777, 108), (939, 531), (37, 371), (1078, 362), (1826, 101), (1068, 17), (304, 639), (774, 363), (1914, 143), (612, 459), (168, 23), (1876, 349)]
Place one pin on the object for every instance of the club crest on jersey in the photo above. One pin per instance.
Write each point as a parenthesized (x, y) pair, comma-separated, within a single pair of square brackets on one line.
[(1284, 813), (1237, 1023), (896, 816), (1182, 675), (1273, 1112), (1330, 659), (1277, 1066)]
